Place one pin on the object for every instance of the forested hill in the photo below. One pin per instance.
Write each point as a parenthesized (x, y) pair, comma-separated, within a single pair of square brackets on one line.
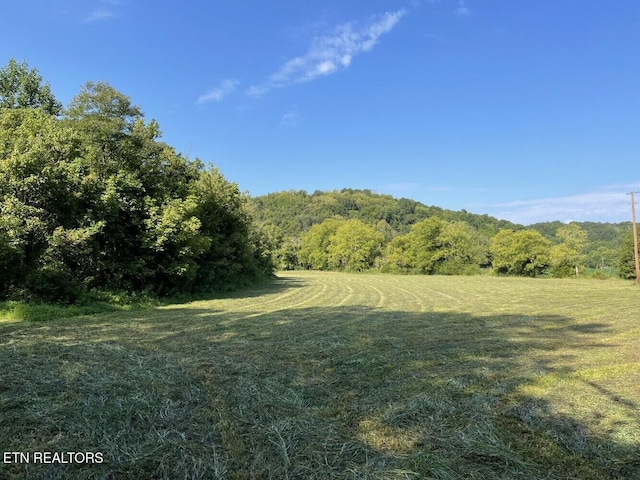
[(293, 212), (286, 218), (604, 240)]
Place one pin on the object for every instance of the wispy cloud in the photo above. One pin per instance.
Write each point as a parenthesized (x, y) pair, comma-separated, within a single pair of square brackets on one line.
[(611, 204), (218, 93), (463, 9), (107, 11), (100, 14), (290, 119), (330, 53)]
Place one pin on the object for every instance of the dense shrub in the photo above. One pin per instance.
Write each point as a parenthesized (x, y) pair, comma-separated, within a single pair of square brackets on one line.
[(94, 200)]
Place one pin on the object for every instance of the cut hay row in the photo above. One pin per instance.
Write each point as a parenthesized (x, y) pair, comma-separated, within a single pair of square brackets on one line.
[(330, 375)]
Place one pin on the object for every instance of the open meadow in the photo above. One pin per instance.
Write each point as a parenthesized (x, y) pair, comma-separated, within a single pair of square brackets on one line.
[(332, 375)]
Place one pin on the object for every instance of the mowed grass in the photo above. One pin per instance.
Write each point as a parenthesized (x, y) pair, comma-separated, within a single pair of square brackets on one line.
[(329, 375)]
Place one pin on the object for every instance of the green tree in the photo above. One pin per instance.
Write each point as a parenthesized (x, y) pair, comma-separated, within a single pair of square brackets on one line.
[(601, 257), (568, 257), (314, 249), (626, 259), (41, 163), (395, 258), (419, 250), (41, 193), (21, 87), (461, 249), (525, 252), (354, 246), (173, 235), (95, 200), (237, 254), (435, 246), (140, 191)]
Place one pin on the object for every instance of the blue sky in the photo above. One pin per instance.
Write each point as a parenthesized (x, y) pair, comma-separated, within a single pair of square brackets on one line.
[(528, 111)]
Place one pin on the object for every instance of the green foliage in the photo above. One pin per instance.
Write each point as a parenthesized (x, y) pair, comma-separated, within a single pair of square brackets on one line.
[(23, 88), (600, 252), (601, 257), (417, 251), (338, 244), (95, 201), (458, 242), (525, 252), (314, 250), (173, 236), (236, 254), (287, 216), (462, 249), (40, 312), (354, 246), (435, 246), (567, 258), (626, 259)]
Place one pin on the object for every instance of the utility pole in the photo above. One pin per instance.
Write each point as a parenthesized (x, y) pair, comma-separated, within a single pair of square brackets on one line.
[(635, 235)]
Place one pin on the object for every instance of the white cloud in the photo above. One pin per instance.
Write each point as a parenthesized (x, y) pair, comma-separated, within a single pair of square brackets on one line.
[(611, 204), (221, 91), (100, 14), (330, 53), (462, 9), (104, 10), (290, 119)]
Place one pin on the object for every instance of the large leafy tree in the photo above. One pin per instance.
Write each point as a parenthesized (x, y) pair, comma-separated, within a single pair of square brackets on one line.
[(314, 250), (525, 252), (437, 246), (418, 250), (95, 200), (626, 259), (21, 87), (461, 249), (142, 193), (354, 246), (42, 191), (567, 257), (339, 244), (236, 252)]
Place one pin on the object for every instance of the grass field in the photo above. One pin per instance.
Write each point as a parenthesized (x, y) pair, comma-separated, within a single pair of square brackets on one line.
[(328, 375)]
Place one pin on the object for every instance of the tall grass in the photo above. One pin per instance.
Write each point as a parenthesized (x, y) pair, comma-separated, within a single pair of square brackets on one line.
[(328, 375)]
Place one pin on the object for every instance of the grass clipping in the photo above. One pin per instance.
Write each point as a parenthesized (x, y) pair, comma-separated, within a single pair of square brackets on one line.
[(336, 376)]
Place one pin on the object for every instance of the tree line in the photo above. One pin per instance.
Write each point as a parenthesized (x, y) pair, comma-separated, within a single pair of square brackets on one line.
[(437, 246), (360, 230), (92, 199)]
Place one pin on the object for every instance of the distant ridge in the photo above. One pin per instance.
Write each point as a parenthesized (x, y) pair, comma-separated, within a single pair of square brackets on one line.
[(286, 215)]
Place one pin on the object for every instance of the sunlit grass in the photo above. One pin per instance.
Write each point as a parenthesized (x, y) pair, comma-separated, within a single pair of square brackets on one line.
[(326, 375)]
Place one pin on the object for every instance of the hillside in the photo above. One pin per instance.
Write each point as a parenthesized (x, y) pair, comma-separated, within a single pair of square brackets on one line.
[(286, 216), (604, 240)]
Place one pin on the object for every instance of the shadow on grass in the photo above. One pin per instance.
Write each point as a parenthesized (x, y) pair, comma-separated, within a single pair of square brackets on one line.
[(335, 392), (269, 286), (106, 302)]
